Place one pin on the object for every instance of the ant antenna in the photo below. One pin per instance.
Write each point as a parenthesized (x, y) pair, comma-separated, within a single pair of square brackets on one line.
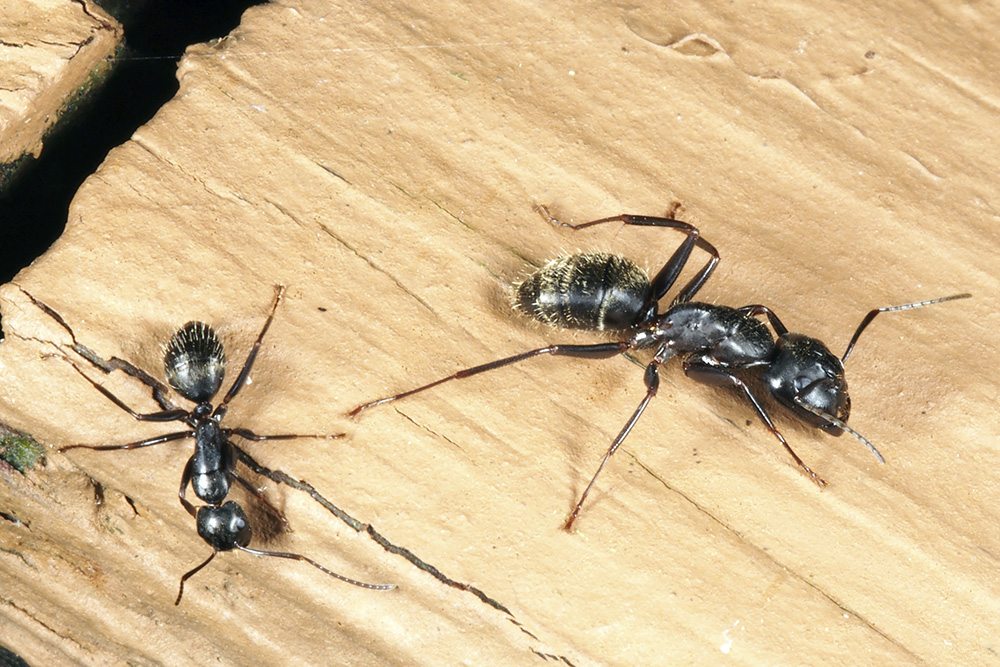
[(282, 554), (842, 424), (188, 575), (347, 580), (906, 306)]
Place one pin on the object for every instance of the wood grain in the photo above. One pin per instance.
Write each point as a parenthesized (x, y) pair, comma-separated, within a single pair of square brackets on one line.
[(382, 160)]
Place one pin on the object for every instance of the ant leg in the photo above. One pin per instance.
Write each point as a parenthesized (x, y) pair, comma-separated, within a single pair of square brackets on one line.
[(247, 434), (595, 351), (667, 275), (700, 371), (890, 309), (82, 350), (353, 582), (180, 435), (160, 390), (279, 293), (757, 310), (283, 478), (190, 574), (652, 380), (175, 414), (185, 480), (273, 475), (259, 494), (234, 453)]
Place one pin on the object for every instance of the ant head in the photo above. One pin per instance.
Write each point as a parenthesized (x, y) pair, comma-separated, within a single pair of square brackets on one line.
[(808, 379), (224, 528), (195, 363)]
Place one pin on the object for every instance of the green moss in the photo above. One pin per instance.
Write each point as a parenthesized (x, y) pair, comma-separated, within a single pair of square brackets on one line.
[(94, 82), (20, 450)]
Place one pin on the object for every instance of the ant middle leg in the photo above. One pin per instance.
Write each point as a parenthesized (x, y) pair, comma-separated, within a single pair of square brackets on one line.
[(148, 442), (652, 381), (700, 371), (174, 414), (247, 434), (757, 310)]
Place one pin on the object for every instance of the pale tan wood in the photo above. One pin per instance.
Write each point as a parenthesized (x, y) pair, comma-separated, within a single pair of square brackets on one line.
[(382, 161), (49, 52)]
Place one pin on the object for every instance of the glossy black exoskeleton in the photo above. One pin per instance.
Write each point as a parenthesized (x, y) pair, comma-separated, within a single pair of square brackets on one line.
[(604, 292), (195, 367), (227, 527), (718, 344), (808, 379), (593, 291), (194, 364)]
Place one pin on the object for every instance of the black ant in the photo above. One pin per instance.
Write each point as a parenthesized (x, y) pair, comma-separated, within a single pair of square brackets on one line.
[(195, 366), (717, 342)]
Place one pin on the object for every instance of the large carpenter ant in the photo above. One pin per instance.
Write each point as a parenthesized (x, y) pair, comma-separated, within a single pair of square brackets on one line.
[(195, 366), (718, 344)]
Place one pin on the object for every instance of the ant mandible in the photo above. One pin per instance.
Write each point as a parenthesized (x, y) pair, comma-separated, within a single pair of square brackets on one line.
[(717, 342), (195, 366)]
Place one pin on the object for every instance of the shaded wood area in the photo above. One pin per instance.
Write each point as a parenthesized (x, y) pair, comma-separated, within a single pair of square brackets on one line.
[(50, 50)]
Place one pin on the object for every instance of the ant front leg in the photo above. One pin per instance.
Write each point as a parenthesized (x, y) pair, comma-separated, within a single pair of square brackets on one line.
[(666, 276), (185, 480), (700, 370), (276, 476)]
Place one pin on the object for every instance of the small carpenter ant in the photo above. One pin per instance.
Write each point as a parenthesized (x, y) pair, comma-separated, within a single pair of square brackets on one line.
[(195, 366), (717, 343)]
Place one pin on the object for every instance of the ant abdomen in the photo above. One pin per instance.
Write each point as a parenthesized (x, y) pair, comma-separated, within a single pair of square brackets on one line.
[(591, 291), (194, 362)]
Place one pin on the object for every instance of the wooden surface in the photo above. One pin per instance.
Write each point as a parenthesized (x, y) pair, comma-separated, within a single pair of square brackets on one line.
[(48, 51), (382, 161)]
